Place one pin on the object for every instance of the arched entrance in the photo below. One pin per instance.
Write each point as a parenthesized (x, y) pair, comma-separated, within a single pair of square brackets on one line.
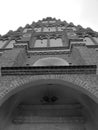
[(49, 104)]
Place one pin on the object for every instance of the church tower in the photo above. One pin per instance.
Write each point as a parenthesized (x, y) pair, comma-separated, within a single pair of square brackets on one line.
[(48, 77)]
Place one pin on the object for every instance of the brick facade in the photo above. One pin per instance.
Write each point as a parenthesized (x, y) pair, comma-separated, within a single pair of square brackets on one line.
[(87, 84), (15, 57), (21, 56)]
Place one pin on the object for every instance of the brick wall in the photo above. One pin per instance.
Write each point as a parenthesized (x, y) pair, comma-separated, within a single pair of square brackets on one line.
[(13, 57), (88, 84), (83, 55), (77, 57), (34, 58)]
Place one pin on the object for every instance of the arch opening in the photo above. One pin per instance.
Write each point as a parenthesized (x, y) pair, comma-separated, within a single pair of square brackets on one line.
[(57, 102)]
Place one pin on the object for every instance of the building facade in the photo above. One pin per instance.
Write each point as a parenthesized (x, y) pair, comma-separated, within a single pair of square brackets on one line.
[(49, 77)]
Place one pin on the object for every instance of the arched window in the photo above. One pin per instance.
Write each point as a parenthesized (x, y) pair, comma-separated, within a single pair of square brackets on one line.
[(41, 43), (51, 61), (56, 42)]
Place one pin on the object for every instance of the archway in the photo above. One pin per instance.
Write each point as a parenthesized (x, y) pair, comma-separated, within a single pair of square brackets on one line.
[(82, 83), (63, 94)]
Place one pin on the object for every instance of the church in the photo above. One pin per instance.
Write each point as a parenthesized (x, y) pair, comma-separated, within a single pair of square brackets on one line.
[(48, 77)]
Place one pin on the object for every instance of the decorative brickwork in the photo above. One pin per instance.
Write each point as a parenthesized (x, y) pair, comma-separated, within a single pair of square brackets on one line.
[(87, 84), (48, 70)]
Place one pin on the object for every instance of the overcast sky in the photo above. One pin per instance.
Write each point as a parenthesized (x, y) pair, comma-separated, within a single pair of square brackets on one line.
[(16, 13)]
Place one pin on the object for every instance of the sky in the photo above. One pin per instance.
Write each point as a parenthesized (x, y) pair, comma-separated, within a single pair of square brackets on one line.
[(16, 13)]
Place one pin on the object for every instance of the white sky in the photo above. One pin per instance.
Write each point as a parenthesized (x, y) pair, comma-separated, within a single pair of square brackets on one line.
[(16, 13)]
